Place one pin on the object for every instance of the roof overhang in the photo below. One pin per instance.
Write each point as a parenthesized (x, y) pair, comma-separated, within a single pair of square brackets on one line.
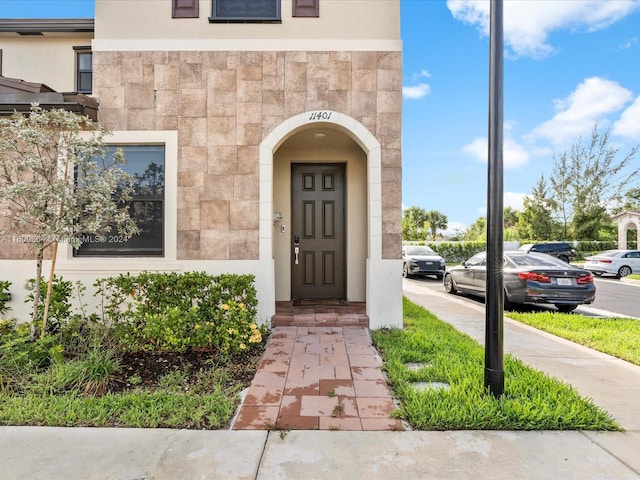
[(40, 26), (17, 96)]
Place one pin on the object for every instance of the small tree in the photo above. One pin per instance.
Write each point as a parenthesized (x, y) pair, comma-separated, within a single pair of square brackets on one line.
[(536, 220), (414, 223), (589, 180), (436, 221), (56, 185)]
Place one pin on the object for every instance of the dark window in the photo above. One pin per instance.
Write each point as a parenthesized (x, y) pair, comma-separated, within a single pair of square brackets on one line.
[(245, 11), (185, 8), (84, 72), (306, 8), (146, 164)]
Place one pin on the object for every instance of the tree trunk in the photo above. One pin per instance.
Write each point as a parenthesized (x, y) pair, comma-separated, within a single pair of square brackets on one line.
[(36, 294), (47, 299)]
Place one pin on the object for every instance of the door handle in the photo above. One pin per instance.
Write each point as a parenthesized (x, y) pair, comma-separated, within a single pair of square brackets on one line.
[(296, 252)]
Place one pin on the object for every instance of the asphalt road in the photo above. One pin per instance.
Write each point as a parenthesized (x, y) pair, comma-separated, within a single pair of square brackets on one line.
[(613, 297)]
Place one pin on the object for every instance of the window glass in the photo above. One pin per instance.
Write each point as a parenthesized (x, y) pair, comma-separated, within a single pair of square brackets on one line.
[(420, 251), (537, 261), (84, 72), (145, 163), (477, 259), (245, 10)]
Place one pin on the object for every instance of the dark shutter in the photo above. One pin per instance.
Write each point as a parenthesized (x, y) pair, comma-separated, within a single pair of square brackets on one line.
[(185, 8), (306, 8)]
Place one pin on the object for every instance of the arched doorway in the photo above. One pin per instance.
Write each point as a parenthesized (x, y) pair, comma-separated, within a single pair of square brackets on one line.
[(322, 138)]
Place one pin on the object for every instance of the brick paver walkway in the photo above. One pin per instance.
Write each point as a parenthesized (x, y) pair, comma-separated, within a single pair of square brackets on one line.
[(325, 378)]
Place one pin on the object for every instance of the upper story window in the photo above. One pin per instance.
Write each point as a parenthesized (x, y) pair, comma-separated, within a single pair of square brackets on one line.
[(306, 8), (245, 11), (146, 164), (84, 69)]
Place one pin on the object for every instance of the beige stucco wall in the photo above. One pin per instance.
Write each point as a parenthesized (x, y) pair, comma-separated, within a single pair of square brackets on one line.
[(223, 104), (339, 19), (34, 59)]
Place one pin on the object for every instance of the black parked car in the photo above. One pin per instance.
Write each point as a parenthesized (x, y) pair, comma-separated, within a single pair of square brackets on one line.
[(528, 278), (561, 250)]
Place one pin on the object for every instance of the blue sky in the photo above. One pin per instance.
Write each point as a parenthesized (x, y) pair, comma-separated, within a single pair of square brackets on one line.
[(568, 64)]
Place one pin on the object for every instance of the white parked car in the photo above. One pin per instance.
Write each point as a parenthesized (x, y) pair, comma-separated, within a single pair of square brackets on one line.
[(614, 262)]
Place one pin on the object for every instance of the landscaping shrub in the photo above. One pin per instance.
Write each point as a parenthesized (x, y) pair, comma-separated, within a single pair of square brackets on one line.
[(178, 311), (456, 252), (59, 303), (5, 296)]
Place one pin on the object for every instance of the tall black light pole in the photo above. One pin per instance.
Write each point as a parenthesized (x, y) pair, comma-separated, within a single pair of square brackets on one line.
[(494, 312)]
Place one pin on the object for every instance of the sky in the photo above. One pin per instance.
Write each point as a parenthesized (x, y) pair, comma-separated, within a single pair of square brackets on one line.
[(569, 65)]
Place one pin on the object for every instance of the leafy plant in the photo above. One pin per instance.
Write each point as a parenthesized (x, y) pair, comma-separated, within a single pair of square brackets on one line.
[(179, 311), (59, 303), (88, 375), (5, 296)]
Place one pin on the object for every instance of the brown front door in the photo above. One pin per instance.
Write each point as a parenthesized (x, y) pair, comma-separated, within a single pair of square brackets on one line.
[(317, 236)]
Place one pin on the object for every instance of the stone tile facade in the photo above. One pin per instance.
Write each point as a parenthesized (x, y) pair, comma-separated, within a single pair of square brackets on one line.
[(224, 103)]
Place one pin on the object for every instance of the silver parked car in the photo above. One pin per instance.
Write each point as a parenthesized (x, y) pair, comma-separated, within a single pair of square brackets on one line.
[(421, 260), (529, 278), (614, 262)]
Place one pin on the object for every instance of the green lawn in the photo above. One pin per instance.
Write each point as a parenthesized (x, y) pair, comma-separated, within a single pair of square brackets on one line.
[(619, 337), (532, 400)]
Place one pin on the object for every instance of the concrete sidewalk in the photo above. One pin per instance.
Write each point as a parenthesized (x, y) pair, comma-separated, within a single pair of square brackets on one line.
[(128, 454)]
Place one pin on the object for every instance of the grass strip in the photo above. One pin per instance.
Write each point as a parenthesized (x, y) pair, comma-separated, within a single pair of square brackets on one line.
[(135, 409), (532, 400), (619, 337)]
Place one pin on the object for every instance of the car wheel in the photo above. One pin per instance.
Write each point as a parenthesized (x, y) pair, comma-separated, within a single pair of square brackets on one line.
[(507, 305), (449, 285), (405, 271), (624, 271), (564, 258), (438, 277), (566, 308), (597, 274)]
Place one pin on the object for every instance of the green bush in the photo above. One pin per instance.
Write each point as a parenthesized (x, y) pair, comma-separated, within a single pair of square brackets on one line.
[(456, 252), (5, 296), (178, 311), (59, 303), (19, 356)]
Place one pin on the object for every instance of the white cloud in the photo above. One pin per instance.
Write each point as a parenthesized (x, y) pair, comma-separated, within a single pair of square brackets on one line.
[(513, 154), (588, 104), (629, 43), (629, 123), (528, 24), (514, 200), (416, 91), (509, 199), (421, 74), (454, 228)]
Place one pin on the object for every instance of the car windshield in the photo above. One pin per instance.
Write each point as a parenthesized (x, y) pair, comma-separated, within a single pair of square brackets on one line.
[(526, 247), (420, 251), (537, 261)]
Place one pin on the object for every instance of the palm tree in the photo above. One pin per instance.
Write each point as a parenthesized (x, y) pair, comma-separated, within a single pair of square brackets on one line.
[(436, 220)]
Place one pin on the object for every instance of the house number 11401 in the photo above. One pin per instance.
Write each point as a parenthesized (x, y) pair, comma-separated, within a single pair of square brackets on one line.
[(320, 116)]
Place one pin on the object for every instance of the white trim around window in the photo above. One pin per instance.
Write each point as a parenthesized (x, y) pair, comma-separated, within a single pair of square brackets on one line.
[(68, 263)]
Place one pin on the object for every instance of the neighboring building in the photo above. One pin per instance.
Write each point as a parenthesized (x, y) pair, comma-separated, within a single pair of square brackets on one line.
[(627, 220), (274, 125)]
